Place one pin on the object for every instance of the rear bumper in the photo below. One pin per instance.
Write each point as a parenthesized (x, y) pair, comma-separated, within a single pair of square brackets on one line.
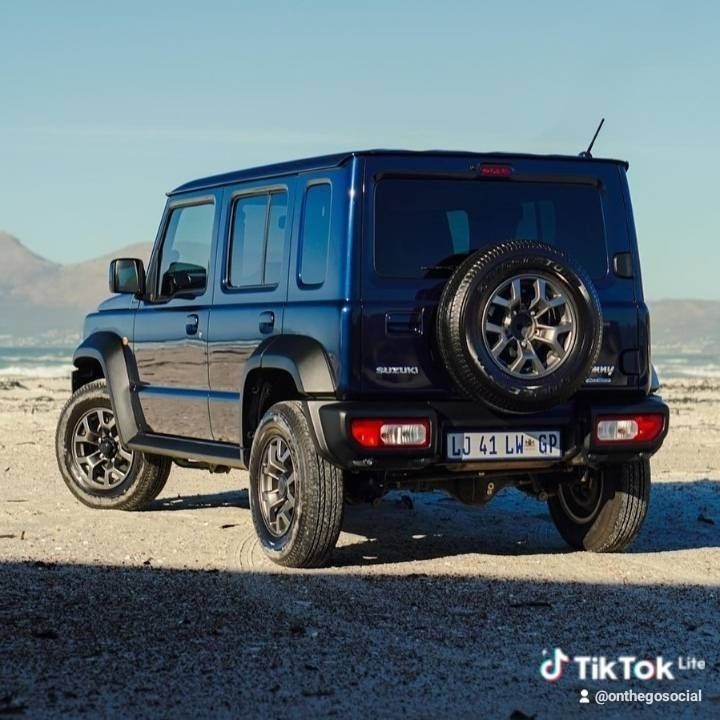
[(331, 427)]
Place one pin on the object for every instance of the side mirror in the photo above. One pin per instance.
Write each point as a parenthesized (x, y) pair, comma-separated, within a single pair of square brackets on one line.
[(127, 276)]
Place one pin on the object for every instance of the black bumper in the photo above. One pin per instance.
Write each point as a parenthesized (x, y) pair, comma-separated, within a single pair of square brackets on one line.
[(575, 420)]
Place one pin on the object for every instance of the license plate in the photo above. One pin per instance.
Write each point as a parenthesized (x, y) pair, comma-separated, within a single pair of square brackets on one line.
[(527, 445)]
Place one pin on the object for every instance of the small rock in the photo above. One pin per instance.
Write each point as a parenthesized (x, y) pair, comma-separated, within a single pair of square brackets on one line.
[(531, 604), (406, 502), (45, 634), (8, 707), (705, 519)]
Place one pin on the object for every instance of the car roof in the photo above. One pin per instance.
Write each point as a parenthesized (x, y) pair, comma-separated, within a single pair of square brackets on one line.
[(322, 162)]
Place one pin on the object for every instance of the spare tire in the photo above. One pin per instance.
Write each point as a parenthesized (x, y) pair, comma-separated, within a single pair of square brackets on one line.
[(519, 326)]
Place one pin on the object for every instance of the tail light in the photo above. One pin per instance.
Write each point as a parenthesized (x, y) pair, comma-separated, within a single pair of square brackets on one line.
[(381, 433), (498, 171), (636, 429)]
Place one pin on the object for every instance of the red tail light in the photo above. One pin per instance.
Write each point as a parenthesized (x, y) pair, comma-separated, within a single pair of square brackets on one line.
[(635, 429), (382, 432)]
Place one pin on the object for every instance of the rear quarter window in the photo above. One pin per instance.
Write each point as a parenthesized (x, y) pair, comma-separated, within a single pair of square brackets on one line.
[(315, 235)]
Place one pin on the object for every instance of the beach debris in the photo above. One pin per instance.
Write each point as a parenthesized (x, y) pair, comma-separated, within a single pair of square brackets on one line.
[(12, 385), (45, 634), (705, 519), (320, 692), (228, 525), (7, 537), (531, 604), (406, 502), (8, 706)]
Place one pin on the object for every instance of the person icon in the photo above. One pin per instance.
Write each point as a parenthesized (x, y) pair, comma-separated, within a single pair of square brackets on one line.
[(584, 700)]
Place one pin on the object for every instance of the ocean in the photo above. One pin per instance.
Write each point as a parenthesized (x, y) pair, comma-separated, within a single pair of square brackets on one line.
[(52, 362), (38, 362)]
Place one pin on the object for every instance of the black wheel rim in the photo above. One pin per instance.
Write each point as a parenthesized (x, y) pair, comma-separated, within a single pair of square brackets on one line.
[(100, 462), (581, 499), (277, 487)]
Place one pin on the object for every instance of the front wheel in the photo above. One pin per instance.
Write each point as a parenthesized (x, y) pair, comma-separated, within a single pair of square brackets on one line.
[(603, 510), (98, 470), (296, 496)]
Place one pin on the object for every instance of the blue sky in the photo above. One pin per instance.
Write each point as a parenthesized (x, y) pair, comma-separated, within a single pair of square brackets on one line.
[(105, 107)]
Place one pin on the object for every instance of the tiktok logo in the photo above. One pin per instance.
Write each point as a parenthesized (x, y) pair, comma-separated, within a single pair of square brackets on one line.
[(553, 668)]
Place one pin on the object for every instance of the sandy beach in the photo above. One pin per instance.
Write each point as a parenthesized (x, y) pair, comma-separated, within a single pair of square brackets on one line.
[(430, 609)]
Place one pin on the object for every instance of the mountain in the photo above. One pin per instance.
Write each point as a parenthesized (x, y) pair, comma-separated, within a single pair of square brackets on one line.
[(45, 301), (685, 324)]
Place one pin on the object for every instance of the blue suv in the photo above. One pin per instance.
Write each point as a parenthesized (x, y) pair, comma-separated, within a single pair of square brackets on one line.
[(349, 324)]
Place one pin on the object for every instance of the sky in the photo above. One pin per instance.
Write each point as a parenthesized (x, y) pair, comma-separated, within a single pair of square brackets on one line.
[(105, 107)]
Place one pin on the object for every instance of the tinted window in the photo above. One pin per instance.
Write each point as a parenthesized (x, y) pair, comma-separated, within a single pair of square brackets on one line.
[(423, 228), (315, 234), (248, 241), (185, 259), (258, 239), (277, 223)]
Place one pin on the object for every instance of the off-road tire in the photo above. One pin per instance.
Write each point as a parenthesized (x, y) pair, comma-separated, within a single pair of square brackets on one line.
[(620, 513), (472, 369), (145, 479), (318, 511)]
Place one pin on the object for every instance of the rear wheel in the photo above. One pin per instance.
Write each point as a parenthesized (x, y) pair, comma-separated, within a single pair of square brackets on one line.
[(98, 470), (603, 510), (296, 496)]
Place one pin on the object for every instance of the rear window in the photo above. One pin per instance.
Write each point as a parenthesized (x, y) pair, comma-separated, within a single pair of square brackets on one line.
[(424, 228)]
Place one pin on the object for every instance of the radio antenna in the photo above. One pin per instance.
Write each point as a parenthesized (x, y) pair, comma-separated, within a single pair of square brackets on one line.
[(587, 153)]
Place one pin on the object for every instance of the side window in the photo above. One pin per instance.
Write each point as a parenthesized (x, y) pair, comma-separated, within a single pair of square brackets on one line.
[(247, 241), (257, 242), (185, 258), (277, 222), (315, 235)]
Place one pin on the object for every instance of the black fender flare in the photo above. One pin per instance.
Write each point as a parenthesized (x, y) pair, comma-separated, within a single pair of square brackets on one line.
[(118, 368), (302, 357)]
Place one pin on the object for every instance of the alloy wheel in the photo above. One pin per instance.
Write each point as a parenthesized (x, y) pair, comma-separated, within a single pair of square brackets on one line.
[(101, 462), (277, 491), (529, 326)]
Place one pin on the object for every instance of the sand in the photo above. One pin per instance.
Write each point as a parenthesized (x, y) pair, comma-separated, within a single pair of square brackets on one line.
[(432, 611)]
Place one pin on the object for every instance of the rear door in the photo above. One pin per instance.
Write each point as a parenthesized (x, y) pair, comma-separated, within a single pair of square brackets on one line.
[(249, 301), (425, 214)]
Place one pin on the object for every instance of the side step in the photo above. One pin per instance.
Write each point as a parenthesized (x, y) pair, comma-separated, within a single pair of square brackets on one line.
[(207, 452)]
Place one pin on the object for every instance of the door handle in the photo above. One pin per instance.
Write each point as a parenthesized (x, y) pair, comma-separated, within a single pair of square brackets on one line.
[(191, 326), (267, 321)]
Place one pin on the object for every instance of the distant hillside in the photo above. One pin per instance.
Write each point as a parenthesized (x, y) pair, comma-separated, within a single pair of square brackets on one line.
[(685, 324), (44, 300)]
